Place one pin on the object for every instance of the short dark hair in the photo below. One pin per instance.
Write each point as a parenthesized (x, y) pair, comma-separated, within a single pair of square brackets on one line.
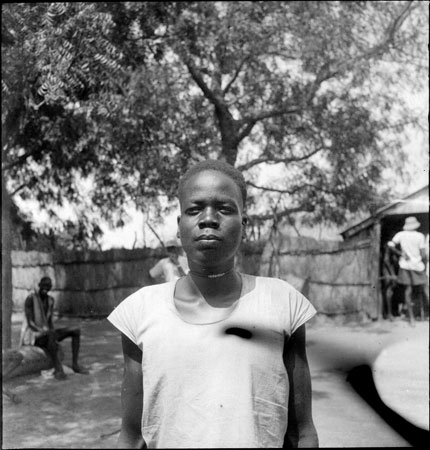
[(217, 166), (45, 280)]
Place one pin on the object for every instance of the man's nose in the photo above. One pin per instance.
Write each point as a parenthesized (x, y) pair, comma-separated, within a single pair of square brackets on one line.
[(209, 219)]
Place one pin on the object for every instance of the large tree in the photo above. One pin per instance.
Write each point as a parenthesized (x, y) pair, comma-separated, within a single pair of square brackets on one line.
[(130, 93)]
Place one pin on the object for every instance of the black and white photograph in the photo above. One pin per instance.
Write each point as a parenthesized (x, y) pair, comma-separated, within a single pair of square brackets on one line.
[(215, 224)]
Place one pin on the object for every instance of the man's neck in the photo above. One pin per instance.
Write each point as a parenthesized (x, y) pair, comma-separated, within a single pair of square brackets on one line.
[(218, 292), (200, 299)]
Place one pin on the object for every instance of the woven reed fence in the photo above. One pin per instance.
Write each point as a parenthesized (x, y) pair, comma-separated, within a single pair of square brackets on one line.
[(337, 277)]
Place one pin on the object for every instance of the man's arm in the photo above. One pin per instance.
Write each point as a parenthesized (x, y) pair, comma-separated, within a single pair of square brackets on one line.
[(301, 430), (392, 247), (423, 254), (131, 397), (51, 314), (29, 315)]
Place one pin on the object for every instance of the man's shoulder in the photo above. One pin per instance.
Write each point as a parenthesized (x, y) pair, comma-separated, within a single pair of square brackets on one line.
[(31, 297), (276, 285), (149, 292), (164, 262), (35, 296), (412, 235), (143, 302), (283, 298)]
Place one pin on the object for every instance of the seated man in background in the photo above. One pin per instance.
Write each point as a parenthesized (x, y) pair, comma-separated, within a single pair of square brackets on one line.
[(173, 267), (38, 329)]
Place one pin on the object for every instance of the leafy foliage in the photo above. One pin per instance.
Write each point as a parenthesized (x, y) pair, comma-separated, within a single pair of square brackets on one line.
[(131, 93)]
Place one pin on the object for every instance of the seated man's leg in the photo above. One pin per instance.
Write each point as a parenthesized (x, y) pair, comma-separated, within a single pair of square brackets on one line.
[(75, 334), (49, 342)]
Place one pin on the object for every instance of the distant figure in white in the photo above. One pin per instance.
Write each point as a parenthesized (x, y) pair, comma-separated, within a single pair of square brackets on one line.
[(412, 263), (173, 267)]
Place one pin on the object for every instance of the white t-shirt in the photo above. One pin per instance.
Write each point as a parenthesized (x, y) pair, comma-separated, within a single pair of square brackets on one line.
[(204, 385), (410, 242), (168, 270)]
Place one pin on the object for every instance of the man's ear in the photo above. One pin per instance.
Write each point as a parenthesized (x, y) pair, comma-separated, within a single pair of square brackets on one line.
[(178, 219), (244, 223)]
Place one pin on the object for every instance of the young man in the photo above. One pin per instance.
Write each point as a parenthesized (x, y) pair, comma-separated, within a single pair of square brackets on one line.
[(412, 263), (217, 358), (38, 329), (173, 266)]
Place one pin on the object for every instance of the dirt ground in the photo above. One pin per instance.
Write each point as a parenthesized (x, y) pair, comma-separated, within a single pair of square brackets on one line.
[(342, 417), (80, 412), (84, 410)]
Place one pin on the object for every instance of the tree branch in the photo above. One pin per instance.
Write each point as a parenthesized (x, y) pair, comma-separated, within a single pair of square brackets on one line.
[(275, 160), (293, 190), (265, 188), (196, 76), (250, 121), (272, 113), (331, 68), (245, 131), (390, 33), (253, 163), (18, 189), (278, 215), (236, 74), (21, 159)]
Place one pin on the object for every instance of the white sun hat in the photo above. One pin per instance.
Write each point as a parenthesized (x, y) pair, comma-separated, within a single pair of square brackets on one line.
[(411, 223)]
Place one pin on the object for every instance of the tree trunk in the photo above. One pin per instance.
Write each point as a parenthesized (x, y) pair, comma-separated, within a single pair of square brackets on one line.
[(6, 256)]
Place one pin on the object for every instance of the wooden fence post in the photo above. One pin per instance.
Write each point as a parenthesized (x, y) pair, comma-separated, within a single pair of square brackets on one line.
[(6, 271), (374, 268)]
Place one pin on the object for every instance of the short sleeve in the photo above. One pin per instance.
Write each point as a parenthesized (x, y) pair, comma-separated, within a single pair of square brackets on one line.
[(124, 317), (396, 238), (293, 308), (301, 310)]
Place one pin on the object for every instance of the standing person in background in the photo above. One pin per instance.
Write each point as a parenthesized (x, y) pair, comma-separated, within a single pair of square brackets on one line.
[(412, 263), (219, 359), (38, 329), (388, 280), (173, 267)]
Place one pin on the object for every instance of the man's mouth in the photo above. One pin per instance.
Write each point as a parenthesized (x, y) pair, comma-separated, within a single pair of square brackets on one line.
[(208, 237)]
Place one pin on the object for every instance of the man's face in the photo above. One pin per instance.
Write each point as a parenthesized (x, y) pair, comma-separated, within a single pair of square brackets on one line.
[(211, 222), (45, 287)]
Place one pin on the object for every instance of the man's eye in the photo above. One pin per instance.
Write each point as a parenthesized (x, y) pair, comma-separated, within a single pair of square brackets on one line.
[(192, 211), (226, 209)]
